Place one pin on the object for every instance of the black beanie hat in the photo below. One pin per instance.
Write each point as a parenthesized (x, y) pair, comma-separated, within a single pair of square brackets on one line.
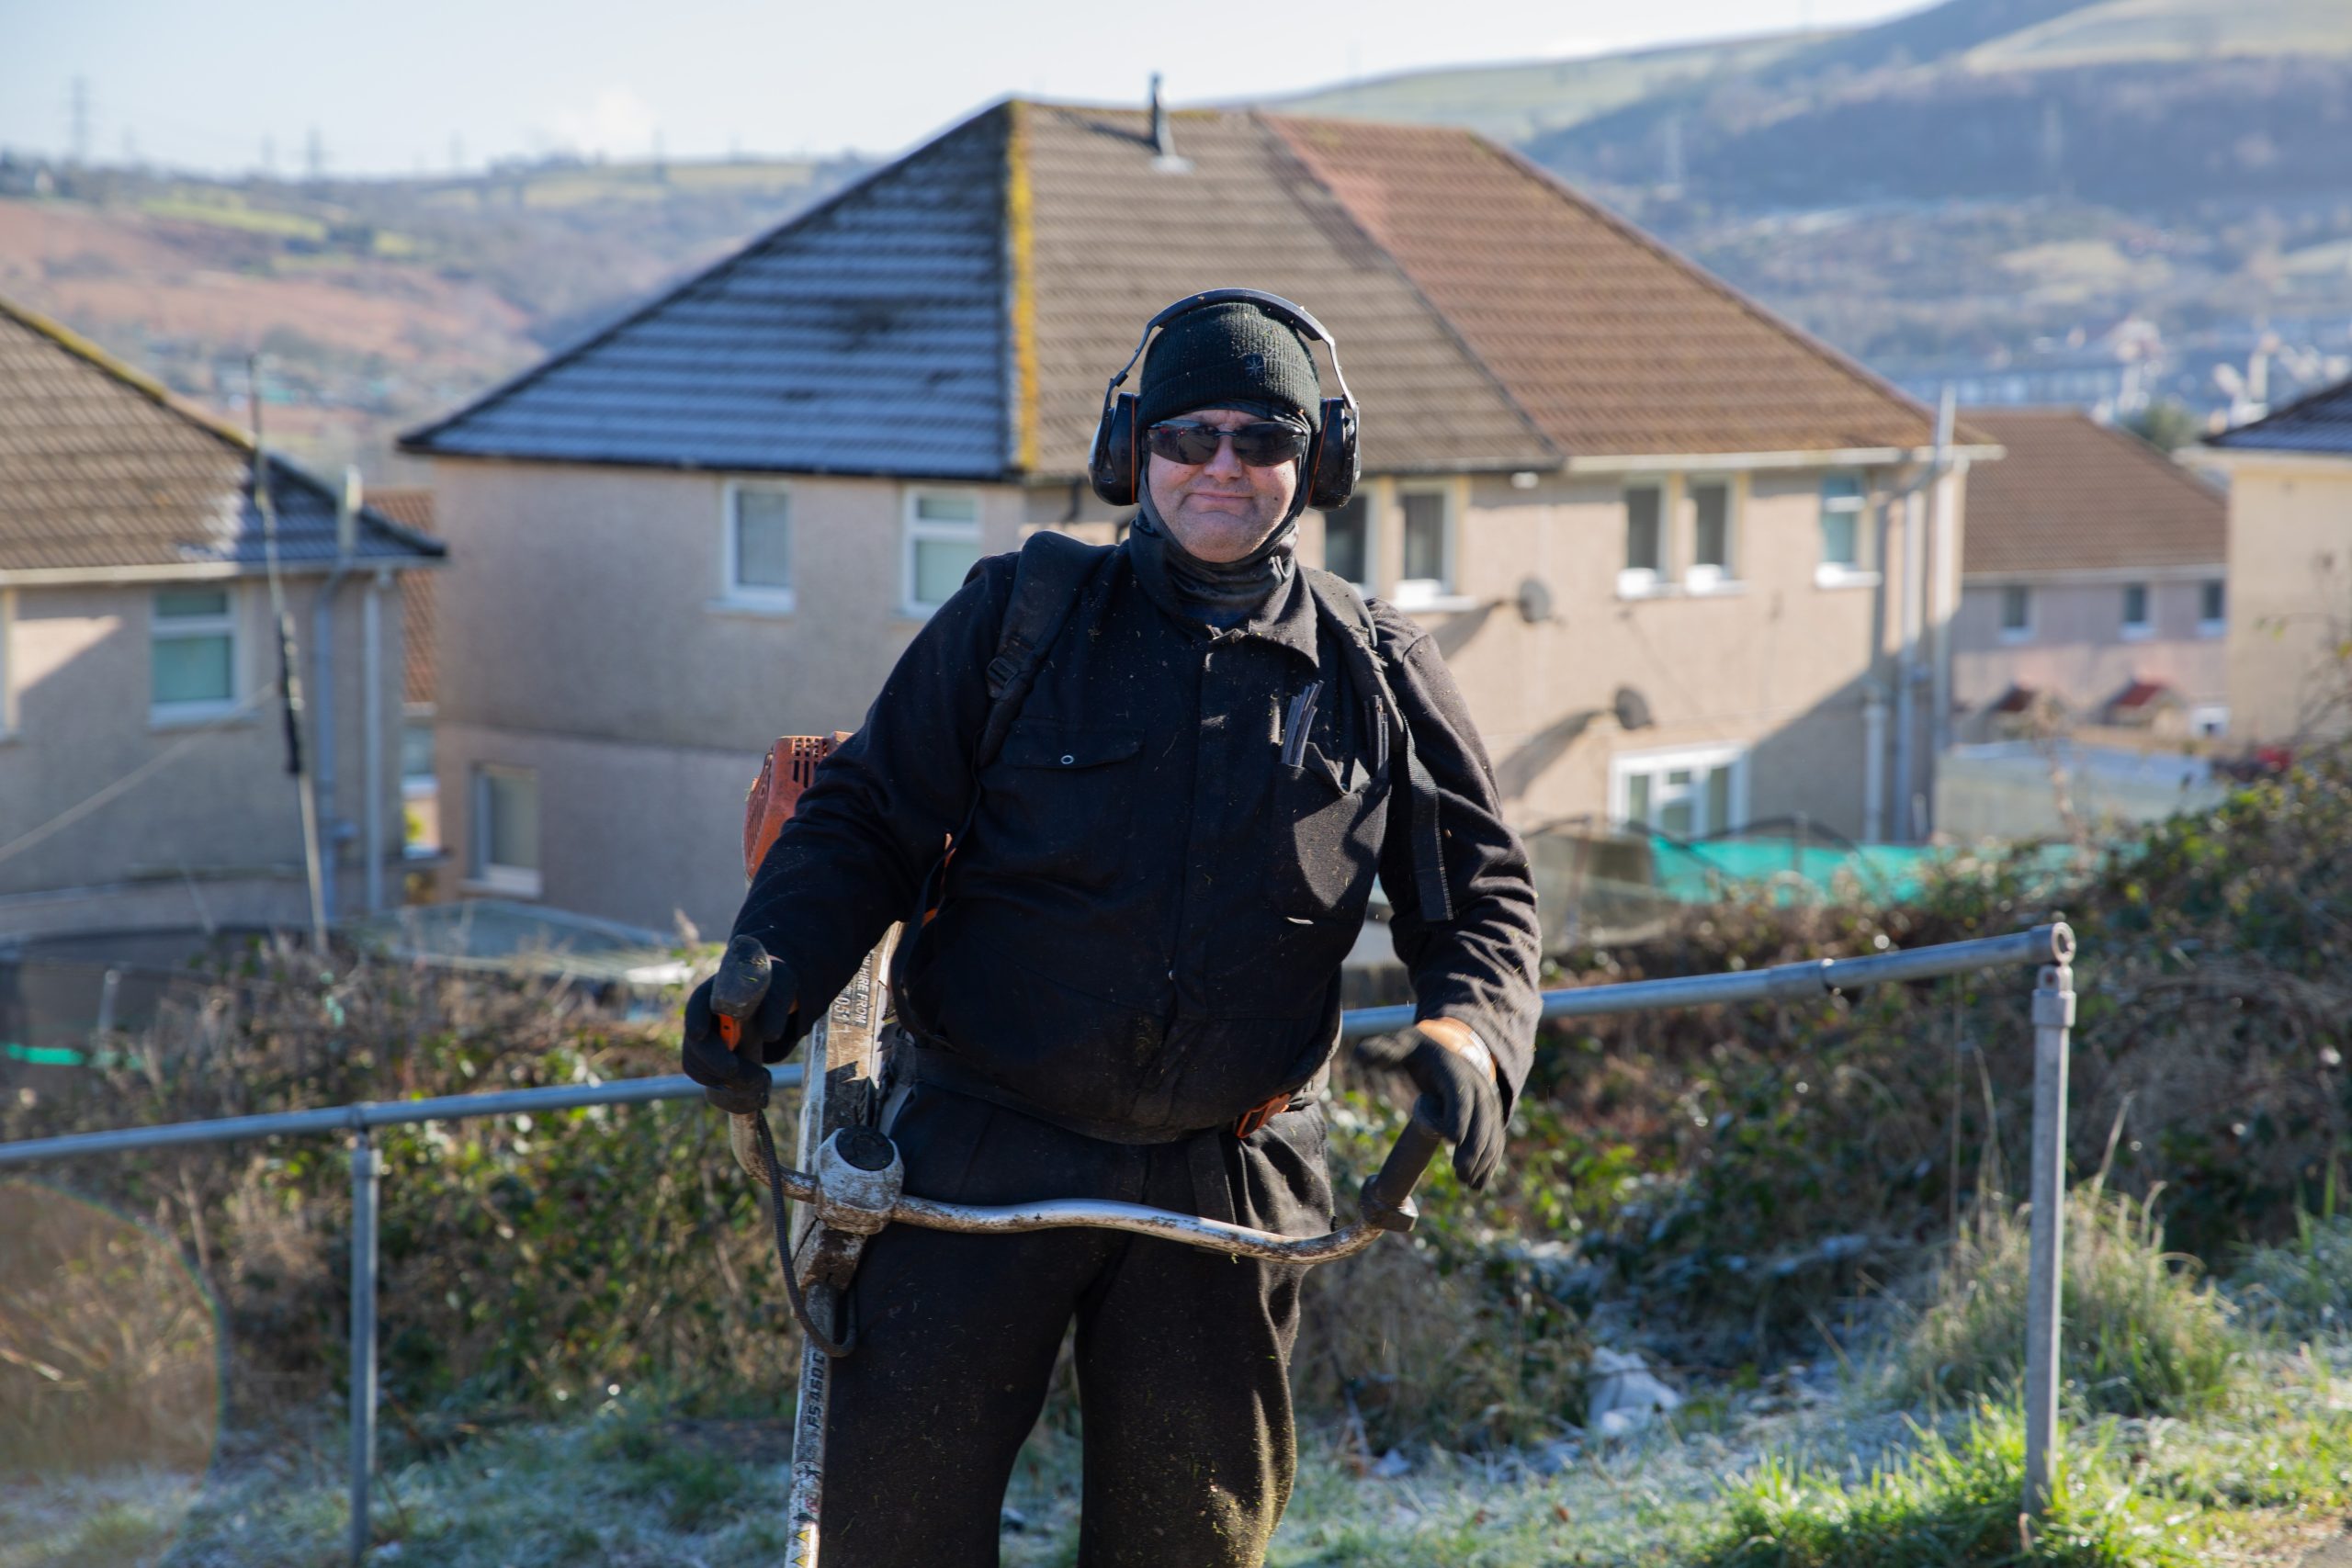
[(1232, 355)]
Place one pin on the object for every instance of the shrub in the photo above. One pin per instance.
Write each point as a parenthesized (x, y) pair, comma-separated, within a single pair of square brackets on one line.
[(2141, 1334), (527, 1260), (1446, 1338), (107, 1346)]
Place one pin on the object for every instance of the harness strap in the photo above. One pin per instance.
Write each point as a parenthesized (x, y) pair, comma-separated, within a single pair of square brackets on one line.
[(1052, 572), (1344, 608)]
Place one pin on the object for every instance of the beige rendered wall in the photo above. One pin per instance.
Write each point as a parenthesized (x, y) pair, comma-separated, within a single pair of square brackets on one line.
[(585, 634), (585, 637), (2291, 600), (2074, 645), (1773, 660), (211, 832)]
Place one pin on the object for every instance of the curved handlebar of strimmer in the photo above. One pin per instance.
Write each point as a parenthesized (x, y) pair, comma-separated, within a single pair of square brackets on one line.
[(1387, 1205)]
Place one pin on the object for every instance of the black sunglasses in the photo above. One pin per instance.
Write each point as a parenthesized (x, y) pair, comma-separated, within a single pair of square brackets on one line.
[(1262, 443)]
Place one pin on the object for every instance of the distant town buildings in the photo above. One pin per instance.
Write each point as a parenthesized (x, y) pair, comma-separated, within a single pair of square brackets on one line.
[(2290, 568), (2093, 586)]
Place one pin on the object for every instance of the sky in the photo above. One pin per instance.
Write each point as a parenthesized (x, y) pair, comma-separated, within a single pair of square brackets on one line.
[(432, 85)]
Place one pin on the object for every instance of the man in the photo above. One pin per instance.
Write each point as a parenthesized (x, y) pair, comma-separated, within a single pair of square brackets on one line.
[(1130, 990)]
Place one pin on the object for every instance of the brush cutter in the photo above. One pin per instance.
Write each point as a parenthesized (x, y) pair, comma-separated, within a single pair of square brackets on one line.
[(848, 1179)]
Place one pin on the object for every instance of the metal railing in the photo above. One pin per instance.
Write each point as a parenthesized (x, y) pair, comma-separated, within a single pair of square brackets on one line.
[(2049, 948)]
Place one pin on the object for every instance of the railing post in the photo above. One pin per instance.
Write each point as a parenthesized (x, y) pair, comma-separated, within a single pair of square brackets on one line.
[(364, 1191), (2054, 1015)]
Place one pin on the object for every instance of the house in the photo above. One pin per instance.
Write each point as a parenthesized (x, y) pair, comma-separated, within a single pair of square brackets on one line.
[(2290, 568), (2093, 586), (1656, 531), (412, 507), (144, 780)]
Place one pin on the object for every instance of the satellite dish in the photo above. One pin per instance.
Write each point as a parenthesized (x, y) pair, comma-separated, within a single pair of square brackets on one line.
[(1535, 600), (1632, 708)]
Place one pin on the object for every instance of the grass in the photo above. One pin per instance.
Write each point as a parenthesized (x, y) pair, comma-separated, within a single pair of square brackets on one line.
[(2141, 1333), (2302, 1287), (624, 1488)]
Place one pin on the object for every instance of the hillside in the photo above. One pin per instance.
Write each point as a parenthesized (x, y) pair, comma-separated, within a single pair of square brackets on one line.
[(2068, 199), (2003, 192), (377, 303)]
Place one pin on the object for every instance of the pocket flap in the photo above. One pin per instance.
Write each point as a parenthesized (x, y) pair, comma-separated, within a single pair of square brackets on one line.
[(1068, 746), (1345, 777)]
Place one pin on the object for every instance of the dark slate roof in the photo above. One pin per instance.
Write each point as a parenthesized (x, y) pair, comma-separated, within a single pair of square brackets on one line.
[(102, 470), (956, 314), (2075, 495), (2320, 423), (866, 336)]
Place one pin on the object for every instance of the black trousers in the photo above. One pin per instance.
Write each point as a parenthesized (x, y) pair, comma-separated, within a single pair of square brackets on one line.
[(1184, 1356)]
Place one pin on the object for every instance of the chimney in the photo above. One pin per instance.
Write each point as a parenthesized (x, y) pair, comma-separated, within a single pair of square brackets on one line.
[(1163, 137)]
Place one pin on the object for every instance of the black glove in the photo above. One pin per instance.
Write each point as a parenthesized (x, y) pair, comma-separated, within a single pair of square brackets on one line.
[(1459, 1093), (733, 1081)]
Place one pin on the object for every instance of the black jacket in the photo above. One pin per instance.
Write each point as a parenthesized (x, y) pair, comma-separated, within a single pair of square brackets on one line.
[(1144, 926)]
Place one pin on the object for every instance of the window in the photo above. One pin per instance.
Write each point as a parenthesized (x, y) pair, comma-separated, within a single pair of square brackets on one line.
[(2212, 608), (1347, 540), (2135, 611), (1843, 504), (759, 547), (192, 652), (417, 754), (2210, 720), (1644, 540), (943, 540), (2017, 612), (506, 829), (1428, 546), (1711, 561), (1685, 794)]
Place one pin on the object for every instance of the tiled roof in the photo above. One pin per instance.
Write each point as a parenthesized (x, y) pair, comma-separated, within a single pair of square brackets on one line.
[(1615, 344), (2320, 423), (412, 507), (2074, 495), (1114, 238), (957, 313), (101, 469)]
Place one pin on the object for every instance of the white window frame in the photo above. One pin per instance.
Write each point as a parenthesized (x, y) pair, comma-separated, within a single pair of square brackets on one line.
[(913, 528), (1861, 572), (1723, 579), (2007, 633), (1370, 500), (2140, 630), (189, 626), (1624, 765), (733, 591), (524, 882), (1642, 582), (1429, 592), (2213, 626)]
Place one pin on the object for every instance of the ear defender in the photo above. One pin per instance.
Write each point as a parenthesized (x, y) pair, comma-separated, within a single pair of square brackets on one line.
[(1114, 465), (1332, 466)]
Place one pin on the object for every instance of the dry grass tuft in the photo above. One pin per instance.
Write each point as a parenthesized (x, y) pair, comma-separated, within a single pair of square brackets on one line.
[(108, 1348)]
